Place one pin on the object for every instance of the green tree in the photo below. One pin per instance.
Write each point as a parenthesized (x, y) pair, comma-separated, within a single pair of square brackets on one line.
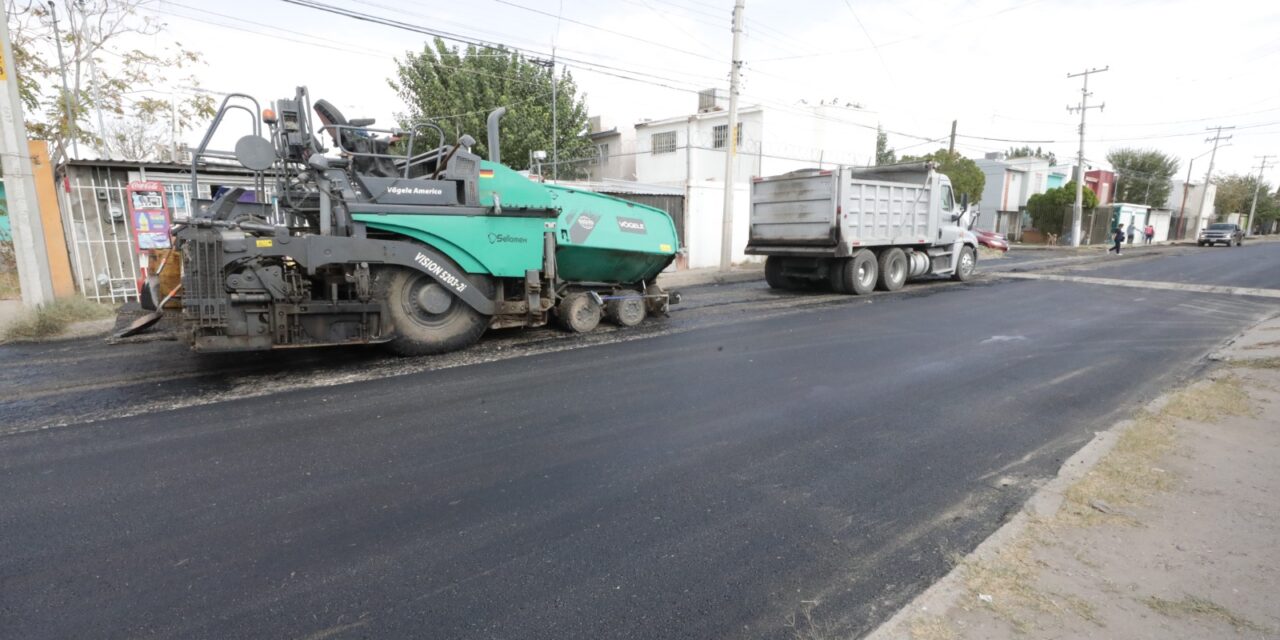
[(131, 87), (1143, 175), (884, 155), (457, 89), (1235, 195), (1028, 152), (1049, 210), (965, 175)]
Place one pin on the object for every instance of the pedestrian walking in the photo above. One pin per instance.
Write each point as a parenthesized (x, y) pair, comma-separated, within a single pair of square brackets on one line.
[(1131, 232), (1118, 238), (1149, 233)]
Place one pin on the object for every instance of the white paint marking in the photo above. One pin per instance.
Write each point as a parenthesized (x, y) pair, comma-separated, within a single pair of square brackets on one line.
[(1148, 284), (1003, 339)]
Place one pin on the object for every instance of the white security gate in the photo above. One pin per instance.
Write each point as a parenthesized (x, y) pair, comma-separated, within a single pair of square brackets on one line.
[(103, 255)]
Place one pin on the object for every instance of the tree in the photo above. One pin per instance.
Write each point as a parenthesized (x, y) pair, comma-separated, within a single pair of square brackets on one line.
[(1049, 210), (1143, 175), (965, 175), (1235, 195), (457, 89), (126, 85), (1027, 152), (884, 155)]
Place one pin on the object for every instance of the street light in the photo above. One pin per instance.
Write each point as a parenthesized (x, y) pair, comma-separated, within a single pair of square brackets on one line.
[(535, 160)]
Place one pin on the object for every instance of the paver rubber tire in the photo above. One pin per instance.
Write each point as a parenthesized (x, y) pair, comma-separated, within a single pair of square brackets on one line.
[(860, 273), (773, 274), (625, 309), (578, 312), (892, 265), (426, 317), (967, 264)]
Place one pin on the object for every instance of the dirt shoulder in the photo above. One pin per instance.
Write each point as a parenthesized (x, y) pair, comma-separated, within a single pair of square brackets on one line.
[(1163, 527)]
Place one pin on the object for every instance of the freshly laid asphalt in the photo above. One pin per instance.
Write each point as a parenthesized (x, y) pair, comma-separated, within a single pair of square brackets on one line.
[(713, 482)]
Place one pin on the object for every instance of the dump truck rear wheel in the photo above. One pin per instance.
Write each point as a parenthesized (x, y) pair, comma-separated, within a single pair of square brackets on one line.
[(893, 269), (835, 276), (966, 264), (860, 272), (578, 312), (626, 309), (425, 316), (773, 274)]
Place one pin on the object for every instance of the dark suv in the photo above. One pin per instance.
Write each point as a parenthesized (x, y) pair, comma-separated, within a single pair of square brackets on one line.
[(1221, 232)]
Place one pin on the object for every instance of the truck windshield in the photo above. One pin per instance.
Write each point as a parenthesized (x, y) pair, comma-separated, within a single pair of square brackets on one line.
[(1222, 227)]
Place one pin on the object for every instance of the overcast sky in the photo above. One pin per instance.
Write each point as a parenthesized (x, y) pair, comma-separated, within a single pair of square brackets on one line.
[(997, 66)]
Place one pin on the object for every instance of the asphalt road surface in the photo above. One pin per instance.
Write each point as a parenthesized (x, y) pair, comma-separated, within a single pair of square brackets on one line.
[(718, 474)]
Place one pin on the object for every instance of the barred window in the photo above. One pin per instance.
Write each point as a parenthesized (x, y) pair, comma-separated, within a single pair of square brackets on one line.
[(720, 134), (603, 149), (664, 142)]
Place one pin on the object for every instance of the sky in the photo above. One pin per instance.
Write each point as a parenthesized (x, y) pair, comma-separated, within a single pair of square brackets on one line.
[(998, 67)]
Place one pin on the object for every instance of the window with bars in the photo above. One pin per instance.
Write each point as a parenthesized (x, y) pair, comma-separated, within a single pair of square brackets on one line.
[(664, 142), (720, 135), (603, 152)]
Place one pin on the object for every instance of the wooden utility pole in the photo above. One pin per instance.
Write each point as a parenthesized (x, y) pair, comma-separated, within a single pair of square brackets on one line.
[(1208, 175), (1257, 186), (731, 143), (951, 148)]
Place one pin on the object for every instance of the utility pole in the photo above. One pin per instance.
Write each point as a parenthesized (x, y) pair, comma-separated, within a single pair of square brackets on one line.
[(555, 133), (34, 276), (66, 92), (1256, 187), (1083, 108), (731, 144), (951, 148), (1208, 175), (1182, 206)]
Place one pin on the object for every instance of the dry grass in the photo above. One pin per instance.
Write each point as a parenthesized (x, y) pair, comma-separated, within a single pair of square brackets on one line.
[(9, 289), (1193, 607), (1128, 474), (932, 628), (1258, 363), (803, 626), (1009, 578), (52, 319)]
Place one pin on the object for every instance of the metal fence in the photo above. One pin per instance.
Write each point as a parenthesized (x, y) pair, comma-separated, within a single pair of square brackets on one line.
[(104, 257)]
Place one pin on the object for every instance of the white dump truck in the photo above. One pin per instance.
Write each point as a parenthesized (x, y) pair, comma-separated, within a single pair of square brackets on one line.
[(860, 228)]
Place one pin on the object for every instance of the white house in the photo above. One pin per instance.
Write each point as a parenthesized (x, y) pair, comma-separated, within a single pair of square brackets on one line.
[(615, 157), (688, 151), (1186, 201)]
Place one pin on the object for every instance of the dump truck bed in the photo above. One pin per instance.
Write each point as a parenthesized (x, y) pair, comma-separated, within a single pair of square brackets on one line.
[(825, 212)]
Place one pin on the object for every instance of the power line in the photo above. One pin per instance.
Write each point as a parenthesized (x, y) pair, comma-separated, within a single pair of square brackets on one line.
[(609, 31), (529, 51)]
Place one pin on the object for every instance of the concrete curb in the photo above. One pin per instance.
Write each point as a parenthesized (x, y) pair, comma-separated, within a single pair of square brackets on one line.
[(1044, 503), (696, 277)]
